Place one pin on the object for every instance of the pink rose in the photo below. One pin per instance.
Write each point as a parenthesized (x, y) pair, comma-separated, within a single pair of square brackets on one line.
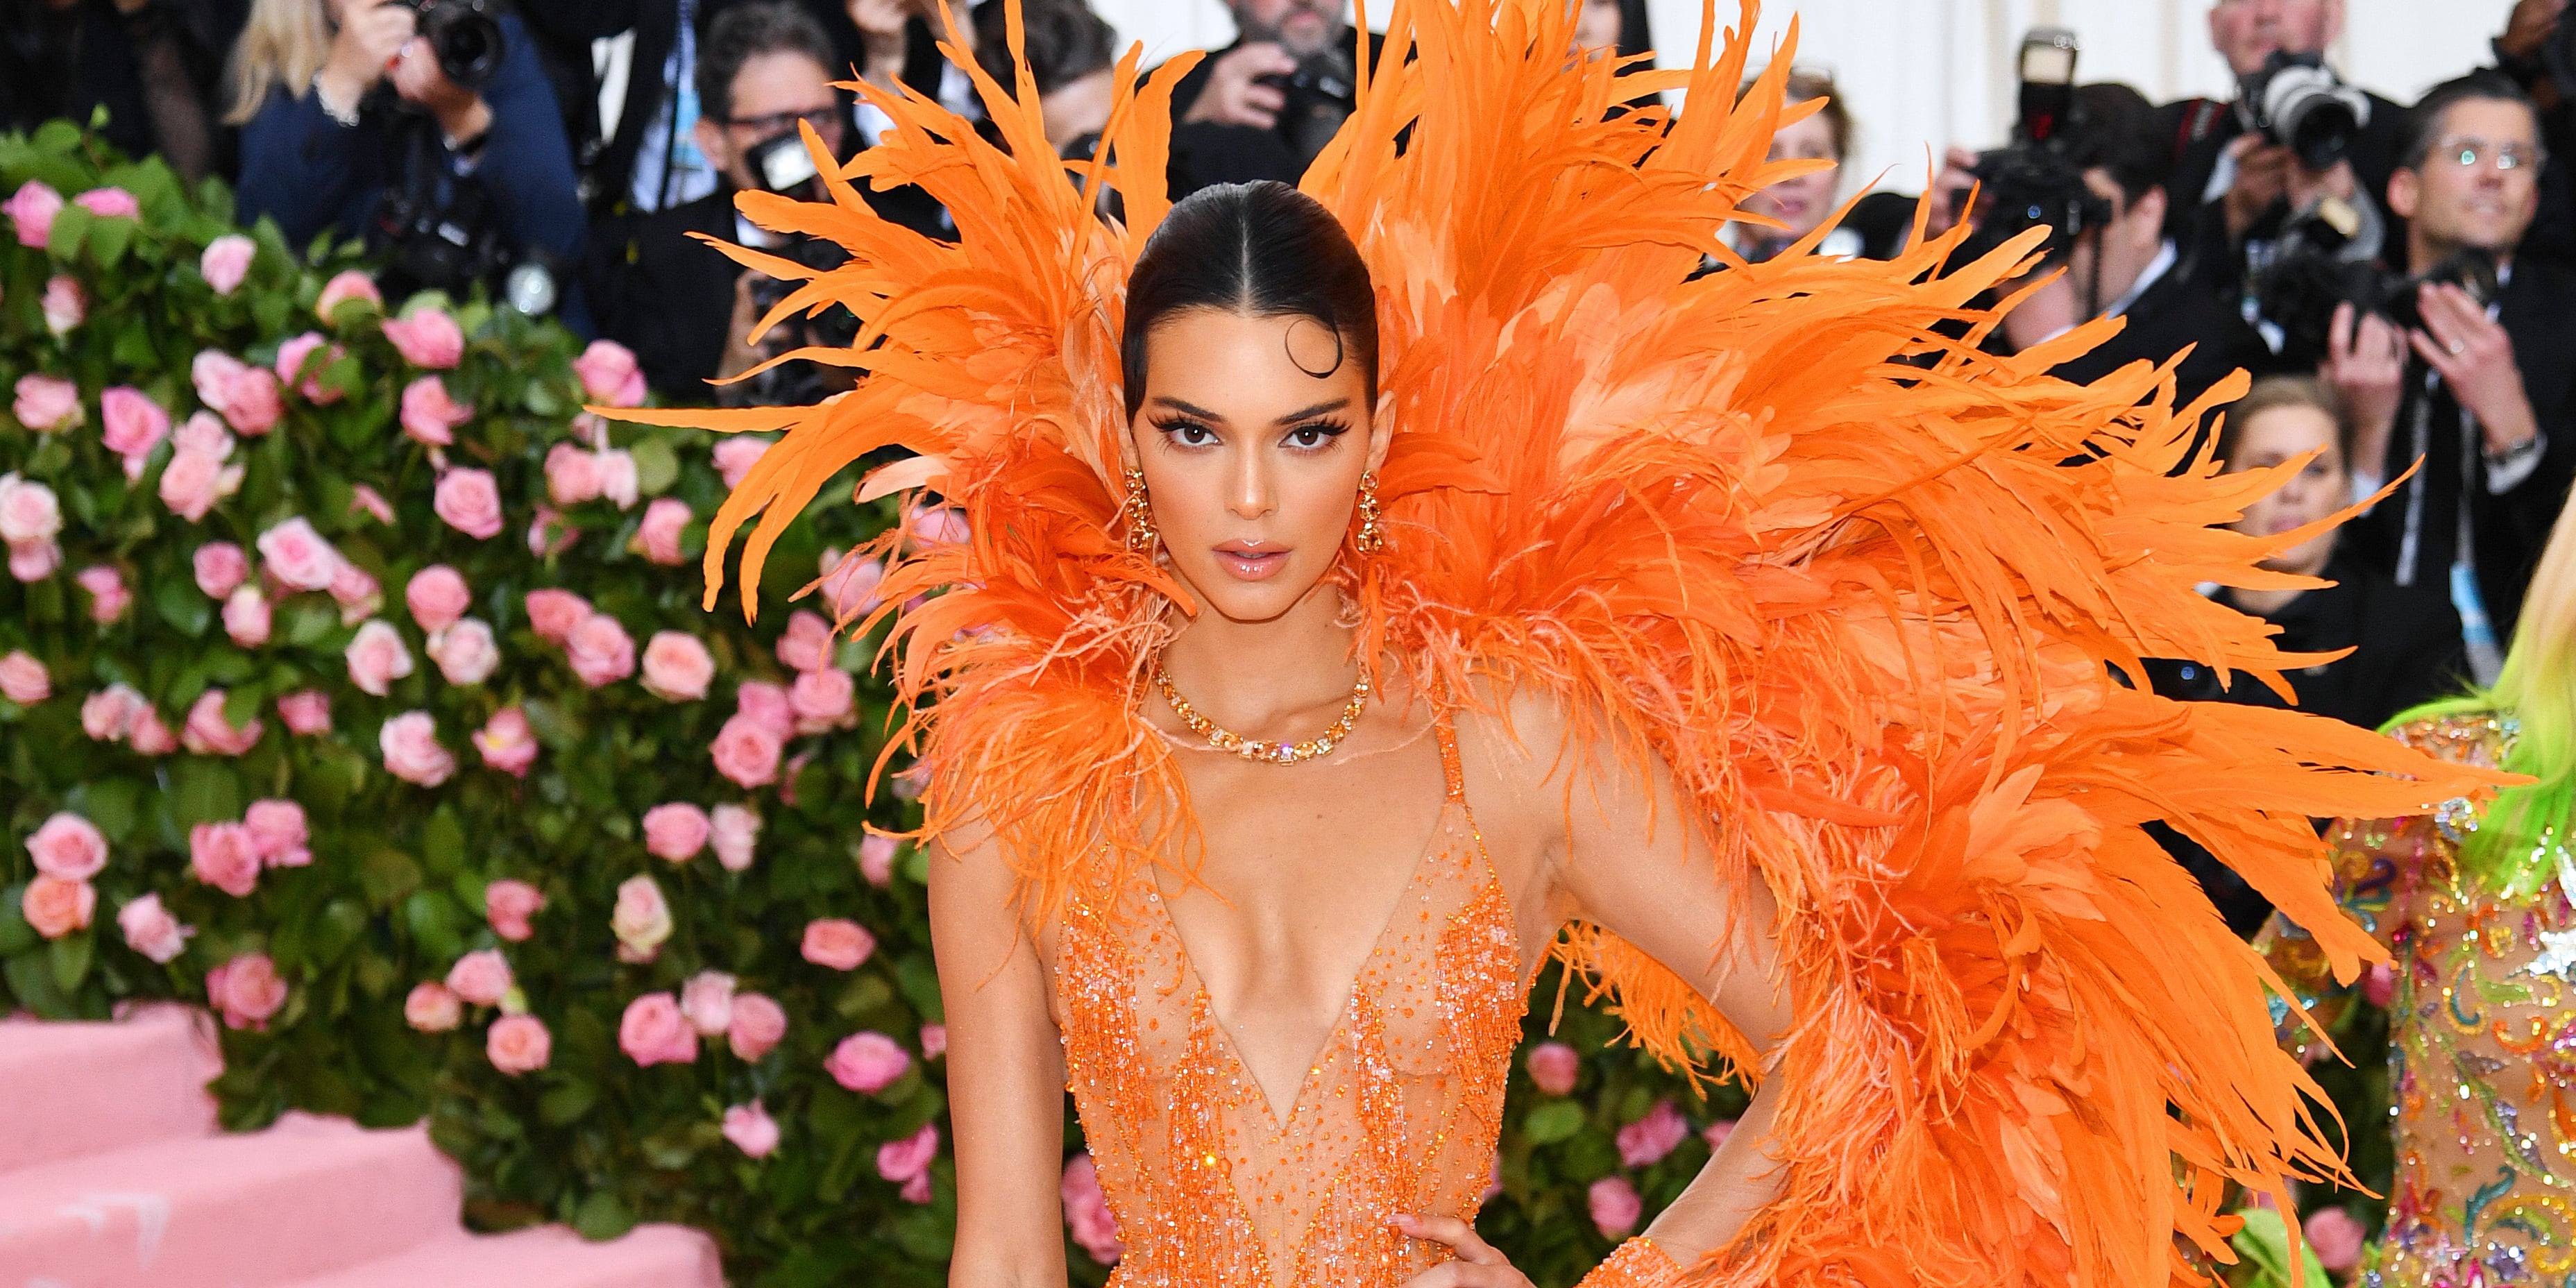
[(214, 373), (1644, 1142), (151, 930), (193, 481), (600, 651), (572, 474), (751, 1129), (305, 712), (347, 285), (257, 403), (220, 566), (734, 831), (609, 374), (940, 525), (1086, 1211), (377, 657), (867, 1062), (506, 742), (108, 715), (429, 415), (247, 991), (150, 737), (33, 209), (677, 668), (619, 483), (1553, 1066), (203, 433), (706, 1001), (1615, 1206), (65, 305), (427, 338), (934, 1041), (807, 645), (508, 904), (758, 1024), (47, 403), (227, 261), (838, 942), (823, 700), (641, 920), (366, 500), (481, 977), (767, 705), (675, 831), (412, 753), (876, 859), (735, 455), (553, 613), (29, 511), (470, 502), (68, 846), (279, 831), (297, 556), (432, 1007), (850, 583), (356, 592), (2379, 985), (207, 733), (34, 560), (23, 679), (297, 366), (131, 425), (902, 1160), (549, 533), (108, 597), (246, 616), (225, 856), (56, 907), (658, 537), (518, 1044), (654, 1032), (437, 597), (110, 203), (466, 653), (2336, 1238)]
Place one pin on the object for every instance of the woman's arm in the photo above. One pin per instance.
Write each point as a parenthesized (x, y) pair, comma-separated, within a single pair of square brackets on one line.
[(1005, 1075)]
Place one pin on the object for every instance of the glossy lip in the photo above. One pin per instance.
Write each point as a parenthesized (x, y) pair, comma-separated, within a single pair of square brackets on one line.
[(1252, 560)]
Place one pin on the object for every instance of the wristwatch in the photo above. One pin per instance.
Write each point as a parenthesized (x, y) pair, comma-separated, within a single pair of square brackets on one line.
[(2514, 455)]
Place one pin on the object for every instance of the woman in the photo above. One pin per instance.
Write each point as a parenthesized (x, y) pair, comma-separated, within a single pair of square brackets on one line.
[(1348, 622), (2475, 905)]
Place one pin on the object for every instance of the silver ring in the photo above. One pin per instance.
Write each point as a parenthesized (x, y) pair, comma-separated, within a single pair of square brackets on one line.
[(2458, 348)]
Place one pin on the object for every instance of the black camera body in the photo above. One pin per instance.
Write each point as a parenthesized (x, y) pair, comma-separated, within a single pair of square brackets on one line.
[(834, 327), (464, 34), (2038, 180), (2298, 102), (2309, 277), (1321, 94)]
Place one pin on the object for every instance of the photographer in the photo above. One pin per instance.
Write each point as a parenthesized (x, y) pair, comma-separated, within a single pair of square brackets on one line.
[(1264, 106), (2239, 177), (1072, 56), (423, 127), (2101, 176), (2481, 390), (684, 307)]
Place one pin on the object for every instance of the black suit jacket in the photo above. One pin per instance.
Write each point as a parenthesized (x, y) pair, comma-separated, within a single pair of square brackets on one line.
[(1205, 154), (2169, 316), (669, 296), (2510, 528)]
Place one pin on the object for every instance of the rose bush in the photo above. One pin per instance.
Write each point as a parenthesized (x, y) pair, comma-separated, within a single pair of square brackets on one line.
[(354, 685)]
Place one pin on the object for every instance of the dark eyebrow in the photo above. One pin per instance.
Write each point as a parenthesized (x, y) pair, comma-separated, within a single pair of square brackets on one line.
[(1312, 412), (1187, 407)]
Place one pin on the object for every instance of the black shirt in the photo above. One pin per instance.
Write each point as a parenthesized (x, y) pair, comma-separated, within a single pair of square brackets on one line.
[(2172, 315)]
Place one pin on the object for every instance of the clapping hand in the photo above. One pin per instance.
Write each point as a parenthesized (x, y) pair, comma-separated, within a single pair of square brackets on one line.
[(2475, 358)]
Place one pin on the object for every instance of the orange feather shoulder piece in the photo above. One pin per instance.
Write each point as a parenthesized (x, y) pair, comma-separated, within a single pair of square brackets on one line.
[(1863, 587)]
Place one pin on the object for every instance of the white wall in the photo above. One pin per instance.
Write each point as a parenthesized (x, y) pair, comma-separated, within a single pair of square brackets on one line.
[(1923, 73)]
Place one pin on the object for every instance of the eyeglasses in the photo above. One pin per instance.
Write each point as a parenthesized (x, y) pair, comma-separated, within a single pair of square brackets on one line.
[(825, 120), (2466, 153)]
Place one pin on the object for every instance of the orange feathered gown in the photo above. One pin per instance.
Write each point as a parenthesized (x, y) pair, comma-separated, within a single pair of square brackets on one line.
[(1861, 586)]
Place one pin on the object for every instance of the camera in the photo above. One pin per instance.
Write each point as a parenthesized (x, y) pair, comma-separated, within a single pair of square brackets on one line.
[(2309, 277), (2298, 103), (835, 327), (1322, 93), (464, 35), (2037, 181)]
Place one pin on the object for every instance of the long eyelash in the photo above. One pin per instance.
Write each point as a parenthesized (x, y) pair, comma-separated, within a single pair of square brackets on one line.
[(1328, 428)]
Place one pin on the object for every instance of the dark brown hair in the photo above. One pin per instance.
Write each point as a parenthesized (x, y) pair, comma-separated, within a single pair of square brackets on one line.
[(1258, 249)]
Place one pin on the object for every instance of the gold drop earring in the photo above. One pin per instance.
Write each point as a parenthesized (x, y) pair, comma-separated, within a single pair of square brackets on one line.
[(1372, 537), (1138, 511)]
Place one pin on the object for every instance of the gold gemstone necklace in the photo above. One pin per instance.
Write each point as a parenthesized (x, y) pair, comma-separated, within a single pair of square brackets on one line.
[(1268, 753)]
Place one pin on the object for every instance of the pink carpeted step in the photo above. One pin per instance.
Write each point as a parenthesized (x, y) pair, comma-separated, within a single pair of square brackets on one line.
[(73, 1089), (305, 1197), (650, 1256)]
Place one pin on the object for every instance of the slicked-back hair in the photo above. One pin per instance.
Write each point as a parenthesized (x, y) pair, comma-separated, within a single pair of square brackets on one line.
[(1260, 250), (2424, 124)]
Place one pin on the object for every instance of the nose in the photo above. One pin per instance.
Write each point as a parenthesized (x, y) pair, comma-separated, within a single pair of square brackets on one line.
[(1251, 493)]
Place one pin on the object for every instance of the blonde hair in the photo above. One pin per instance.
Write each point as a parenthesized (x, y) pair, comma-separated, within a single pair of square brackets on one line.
[(2272, 393), (2537, 689), (282, 46)]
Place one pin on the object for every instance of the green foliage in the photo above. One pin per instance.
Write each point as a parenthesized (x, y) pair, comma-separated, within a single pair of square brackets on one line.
[(394, 894)]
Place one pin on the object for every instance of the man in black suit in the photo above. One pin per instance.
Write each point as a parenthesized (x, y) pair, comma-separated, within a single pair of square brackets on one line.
[(1262, 107), (2482, 394), (2232, 191), (2127, 268)]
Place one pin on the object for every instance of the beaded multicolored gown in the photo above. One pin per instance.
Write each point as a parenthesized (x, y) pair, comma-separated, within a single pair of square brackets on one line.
[(2482, 1029)]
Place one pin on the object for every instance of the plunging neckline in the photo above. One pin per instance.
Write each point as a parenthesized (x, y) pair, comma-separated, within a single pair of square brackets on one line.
[(1203, 1002)]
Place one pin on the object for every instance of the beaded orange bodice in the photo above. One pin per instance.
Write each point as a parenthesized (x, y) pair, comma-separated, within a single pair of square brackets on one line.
[(1398, 1112)]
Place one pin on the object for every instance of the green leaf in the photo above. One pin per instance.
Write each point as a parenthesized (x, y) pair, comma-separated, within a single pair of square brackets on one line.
[(920, 981), (657, 467), (306, 621), (389, 875), (554, 727), (442, 842), (433, 921), (181, 604), (863, 994), (71, 955), (16, 936), (602, 1217), (115, 805), (208, 791), (108, 240), (32, 983), (567, 1103), (71, 224), (1554, 1121)]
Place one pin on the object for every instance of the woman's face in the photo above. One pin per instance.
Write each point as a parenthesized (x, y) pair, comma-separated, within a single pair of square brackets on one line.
[(1251, 463), (1803, 202), (2280, 434), (1596, 26)]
